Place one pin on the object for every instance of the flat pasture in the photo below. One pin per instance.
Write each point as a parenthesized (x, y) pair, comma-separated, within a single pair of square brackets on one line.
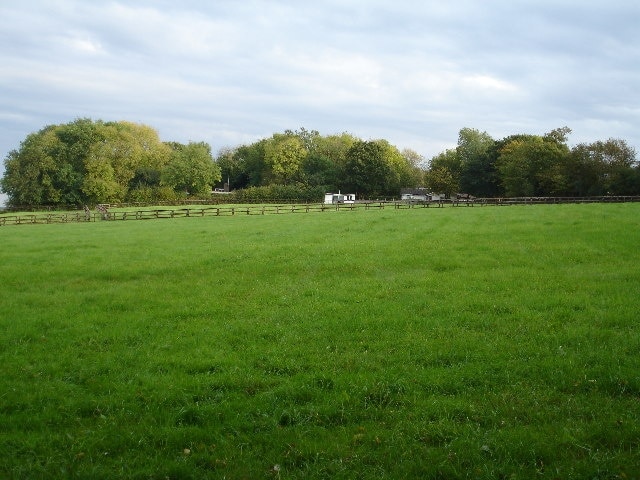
[(408, 343)]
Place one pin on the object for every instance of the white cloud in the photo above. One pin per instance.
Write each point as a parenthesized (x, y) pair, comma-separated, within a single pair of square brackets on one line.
[(82, 44), (487, 83)]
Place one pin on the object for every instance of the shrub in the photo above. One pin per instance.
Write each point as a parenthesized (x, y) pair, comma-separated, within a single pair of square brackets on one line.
[(279, 193)]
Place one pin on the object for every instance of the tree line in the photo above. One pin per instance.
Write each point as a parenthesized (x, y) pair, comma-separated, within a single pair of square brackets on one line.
[(516, 166), (534, 165), (329, 163), (91, 162)]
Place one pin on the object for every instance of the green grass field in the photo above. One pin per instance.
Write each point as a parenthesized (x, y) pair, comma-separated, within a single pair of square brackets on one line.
[(496, 342)]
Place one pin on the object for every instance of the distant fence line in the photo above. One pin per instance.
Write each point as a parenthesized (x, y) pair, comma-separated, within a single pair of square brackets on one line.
[(215, 200), (209, 211)]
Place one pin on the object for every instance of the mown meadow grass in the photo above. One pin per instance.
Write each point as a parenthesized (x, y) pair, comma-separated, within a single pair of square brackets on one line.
[(495, 342)]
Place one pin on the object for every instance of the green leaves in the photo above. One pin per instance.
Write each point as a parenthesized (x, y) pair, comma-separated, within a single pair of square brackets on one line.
[(440, 180), (367, 169), (535, 165), (191, 169), (285, 155), (333, 162), (94, 162)]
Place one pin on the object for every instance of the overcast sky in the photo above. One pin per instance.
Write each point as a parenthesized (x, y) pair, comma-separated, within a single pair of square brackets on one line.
[(229, 72)]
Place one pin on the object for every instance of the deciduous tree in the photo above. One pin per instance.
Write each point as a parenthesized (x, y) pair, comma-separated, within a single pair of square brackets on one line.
[(527, 165), (83, 162), (604, 168), (366, 170), (191, 169), (443, 175), (31, 173), (477, 174), (441, 180), (285, 155)]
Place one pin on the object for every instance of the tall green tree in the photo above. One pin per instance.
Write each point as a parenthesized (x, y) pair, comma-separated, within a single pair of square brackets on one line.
[(415, 161), (49, 167), (100, 184), (441, 180), (83, 161), (285, 154), (191, 169), (232, 169), (334, 148), (75, 141), (402, 172), (30, 172), (444, 165), (603, 168), (584, 172), (367, 170), (415, 168), (147, 153), (132, 153), (527, 166), (319, 170), (250, 159), (477, 174)]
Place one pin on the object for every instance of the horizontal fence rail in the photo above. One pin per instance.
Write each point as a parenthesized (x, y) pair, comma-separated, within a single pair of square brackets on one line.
[(216, 211)]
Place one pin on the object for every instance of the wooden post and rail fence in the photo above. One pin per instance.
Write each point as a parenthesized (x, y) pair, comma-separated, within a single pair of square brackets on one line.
[(119, 213)]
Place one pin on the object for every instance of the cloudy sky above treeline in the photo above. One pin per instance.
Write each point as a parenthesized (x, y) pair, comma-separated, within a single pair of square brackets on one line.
[(229, 72)]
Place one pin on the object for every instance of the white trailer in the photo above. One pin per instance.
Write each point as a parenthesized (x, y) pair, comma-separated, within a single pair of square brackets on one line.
[(339, 197)]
